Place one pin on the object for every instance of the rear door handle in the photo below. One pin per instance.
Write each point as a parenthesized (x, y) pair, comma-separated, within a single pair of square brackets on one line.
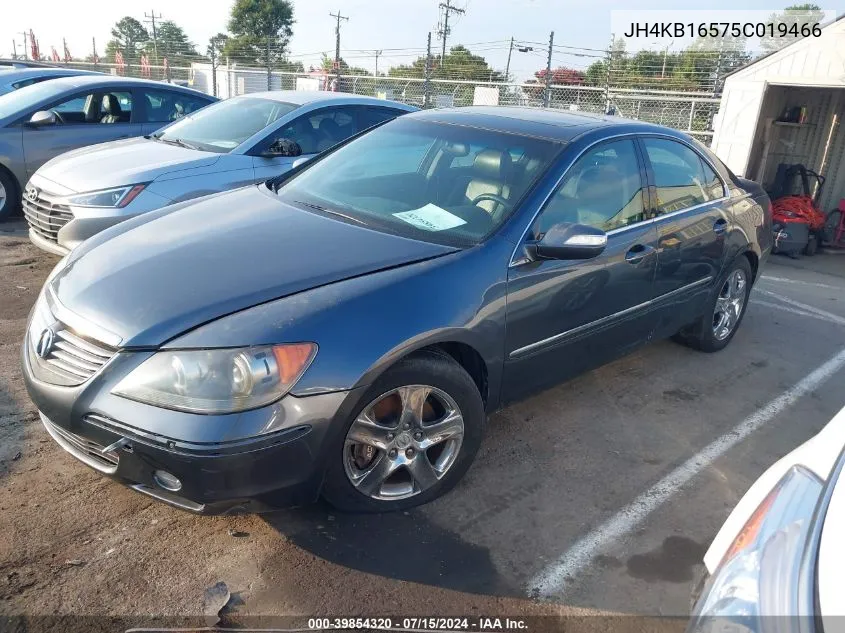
[(638, 253), (720, 226)]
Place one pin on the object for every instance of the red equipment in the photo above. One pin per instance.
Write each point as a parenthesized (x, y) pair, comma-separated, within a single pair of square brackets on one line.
[(798, 209)]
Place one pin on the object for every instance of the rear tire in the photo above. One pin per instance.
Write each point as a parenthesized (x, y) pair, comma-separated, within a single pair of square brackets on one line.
[(725, 310), (9, 198), (424, 462)]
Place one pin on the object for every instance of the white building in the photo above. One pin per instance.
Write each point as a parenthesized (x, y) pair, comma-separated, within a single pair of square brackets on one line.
[(761, 123)]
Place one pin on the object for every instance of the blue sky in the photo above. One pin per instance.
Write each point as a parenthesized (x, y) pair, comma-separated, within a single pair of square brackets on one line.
[(373, 24)]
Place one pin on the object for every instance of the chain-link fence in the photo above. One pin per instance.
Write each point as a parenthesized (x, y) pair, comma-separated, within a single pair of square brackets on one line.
[(691, 112)]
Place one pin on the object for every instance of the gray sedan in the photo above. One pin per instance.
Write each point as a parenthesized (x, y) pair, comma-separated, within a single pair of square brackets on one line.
[(233, 143), (49, 118)]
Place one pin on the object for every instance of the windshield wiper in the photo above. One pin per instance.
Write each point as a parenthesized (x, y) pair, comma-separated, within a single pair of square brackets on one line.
[(176, 141), (317, 207)]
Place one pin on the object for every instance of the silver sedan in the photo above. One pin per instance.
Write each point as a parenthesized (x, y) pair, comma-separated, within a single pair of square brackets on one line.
[(232, 143)]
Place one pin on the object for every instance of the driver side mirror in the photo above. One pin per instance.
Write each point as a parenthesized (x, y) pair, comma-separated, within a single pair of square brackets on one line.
[(568, 241), (283, 147), (43, 118)]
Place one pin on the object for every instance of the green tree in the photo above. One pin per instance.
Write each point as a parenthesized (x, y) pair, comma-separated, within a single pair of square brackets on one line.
[(459, 63), (261, 30), (128, 36), (216, 45), (797, 14), (172, 43)]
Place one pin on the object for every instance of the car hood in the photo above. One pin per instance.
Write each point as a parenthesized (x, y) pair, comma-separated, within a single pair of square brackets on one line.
[(222, 254), (125, 162)]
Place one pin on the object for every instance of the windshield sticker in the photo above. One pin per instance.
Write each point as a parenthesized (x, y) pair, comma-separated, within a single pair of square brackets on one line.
[(430, 218)]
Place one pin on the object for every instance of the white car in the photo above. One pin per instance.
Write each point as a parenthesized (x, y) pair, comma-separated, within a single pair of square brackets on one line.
[(777, 562)]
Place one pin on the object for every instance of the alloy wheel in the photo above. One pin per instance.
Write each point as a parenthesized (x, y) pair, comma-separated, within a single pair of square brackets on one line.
[(403, 442), (729, 305), (3, 197)]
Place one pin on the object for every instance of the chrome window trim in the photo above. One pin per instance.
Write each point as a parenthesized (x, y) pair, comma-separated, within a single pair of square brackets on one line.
[(514, 261), (521, 351)]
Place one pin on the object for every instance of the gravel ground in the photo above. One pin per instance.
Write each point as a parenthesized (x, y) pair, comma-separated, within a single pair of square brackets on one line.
[(551, 468)]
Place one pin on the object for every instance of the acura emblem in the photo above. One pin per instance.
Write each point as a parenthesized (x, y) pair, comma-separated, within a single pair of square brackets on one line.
[(45, 343), (32, 194)]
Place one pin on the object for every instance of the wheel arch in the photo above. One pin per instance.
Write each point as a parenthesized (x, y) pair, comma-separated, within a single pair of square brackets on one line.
[(467, 354), (18, 191), (754, 262)]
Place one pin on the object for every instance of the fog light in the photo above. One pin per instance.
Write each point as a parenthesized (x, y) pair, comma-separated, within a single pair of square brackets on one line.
[(167, 481)]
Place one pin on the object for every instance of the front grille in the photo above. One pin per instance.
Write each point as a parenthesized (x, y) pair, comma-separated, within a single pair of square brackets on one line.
[(74, 357), (83, 449), (44, 216)]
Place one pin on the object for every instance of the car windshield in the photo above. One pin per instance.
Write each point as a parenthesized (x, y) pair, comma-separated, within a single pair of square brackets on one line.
[(222, 126), (437, 182), (19, 101)]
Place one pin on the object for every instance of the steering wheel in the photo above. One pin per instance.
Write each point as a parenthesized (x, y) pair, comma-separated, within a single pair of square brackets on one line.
[(59, 116), (505, 205)]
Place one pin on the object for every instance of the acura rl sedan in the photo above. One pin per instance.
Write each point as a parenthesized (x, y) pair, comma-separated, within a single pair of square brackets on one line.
[(233, 143), (776, 564), (49, 118), (346, 328)]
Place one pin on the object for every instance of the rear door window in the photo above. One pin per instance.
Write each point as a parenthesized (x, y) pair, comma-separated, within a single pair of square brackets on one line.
[(369, 116), (164, 106), (682, 179)]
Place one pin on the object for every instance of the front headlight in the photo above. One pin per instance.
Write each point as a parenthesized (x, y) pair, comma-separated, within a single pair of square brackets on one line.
[(217, 380), (761, 573), (117, 197)]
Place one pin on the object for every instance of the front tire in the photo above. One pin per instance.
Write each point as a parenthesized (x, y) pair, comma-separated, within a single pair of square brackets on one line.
[(414, 437), (9, 199), (724, 312)]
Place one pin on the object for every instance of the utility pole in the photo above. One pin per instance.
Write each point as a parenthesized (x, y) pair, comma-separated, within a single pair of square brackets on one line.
[(14, 49), (94, 49), (448, 8), (610, 56), (508, 66), (547, 95), (25, 54), (377, 53), (267, 59), (427, 83), (337, 46), (152, 19)]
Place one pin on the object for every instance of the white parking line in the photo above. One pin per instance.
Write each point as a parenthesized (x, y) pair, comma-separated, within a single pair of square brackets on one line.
[(552, 581), (784, 280), (803, 313), (830, 316)]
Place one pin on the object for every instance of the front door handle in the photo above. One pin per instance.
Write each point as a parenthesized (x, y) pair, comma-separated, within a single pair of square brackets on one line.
[(720, 226), (638, 253)]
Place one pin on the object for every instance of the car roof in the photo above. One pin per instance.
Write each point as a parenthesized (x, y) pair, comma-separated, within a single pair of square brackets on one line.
[(551, 124), (17, 74), (304, 97), (97, 80)]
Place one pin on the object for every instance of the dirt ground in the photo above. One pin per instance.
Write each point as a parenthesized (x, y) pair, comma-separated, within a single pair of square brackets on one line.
[(75, 543)]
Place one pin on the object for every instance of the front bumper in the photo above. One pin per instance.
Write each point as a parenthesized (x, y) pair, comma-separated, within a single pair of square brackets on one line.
[(254, 461)]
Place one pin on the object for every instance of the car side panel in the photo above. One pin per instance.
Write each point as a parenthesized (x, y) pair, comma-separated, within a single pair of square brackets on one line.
[(459, 297), (11, 153)]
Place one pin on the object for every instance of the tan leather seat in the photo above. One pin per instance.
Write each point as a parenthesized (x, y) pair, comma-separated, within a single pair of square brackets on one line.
[(110, 109), (491, 173)]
